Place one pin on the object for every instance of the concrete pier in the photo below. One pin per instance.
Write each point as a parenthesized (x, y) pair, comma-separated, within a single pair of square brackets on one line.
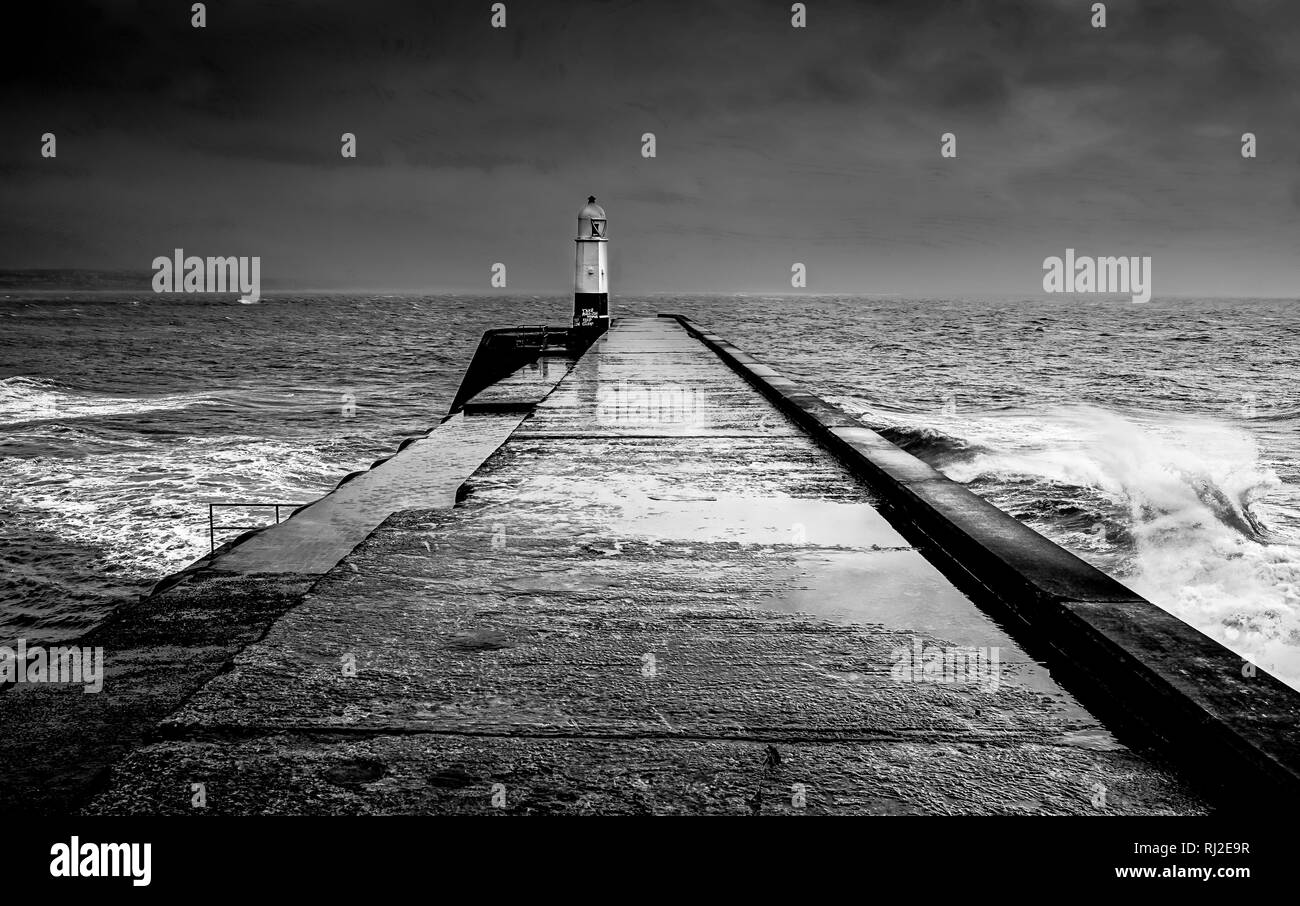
[(658, 579)]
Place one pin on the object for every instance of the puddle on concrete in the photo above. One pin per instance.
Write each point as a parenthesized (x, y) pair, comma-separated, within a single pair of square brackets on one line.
[(902, 591), (898, 589), (657, 511), (1094, 738), (849, 566)]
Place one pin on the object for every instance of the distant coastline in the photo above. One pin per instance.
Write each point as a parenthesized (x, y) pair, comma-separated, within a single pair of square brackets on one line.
[(64, 279)]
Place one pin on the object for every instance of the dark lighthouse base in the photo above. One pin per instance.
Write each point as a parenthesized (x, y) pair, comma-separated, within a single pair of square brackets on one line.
[(590, 316), (590, 308)]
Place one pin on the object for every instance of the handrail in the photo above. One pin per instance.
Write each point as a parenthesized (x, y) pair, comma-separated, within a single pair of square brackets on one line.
[(213, 527)]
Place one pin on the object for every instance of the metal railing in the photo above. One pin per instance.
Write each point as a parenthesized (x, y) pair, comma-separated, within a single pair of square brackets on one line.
[(539, 337), (214, 527)]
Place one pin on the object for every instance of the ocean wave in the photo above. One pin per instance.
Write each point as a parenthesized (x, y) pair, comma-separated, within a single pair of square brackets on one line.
[(143, 506), (936, 441), (25, 399), (931, 444), (1267, 414), (1176, 504)]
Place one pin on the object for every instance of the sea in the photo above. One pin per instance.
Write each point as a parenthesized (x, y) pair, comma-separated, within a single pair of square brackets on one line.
[(1159, 441)]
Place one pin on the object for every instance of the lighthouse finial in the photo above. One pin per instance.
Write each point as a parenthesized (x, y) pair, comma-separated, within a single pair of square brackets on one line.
[(591, 199)]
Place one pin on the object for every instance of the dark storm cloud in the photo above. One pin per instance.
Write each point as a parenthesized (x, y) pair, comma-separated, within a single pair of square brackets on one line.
[(774, 144)]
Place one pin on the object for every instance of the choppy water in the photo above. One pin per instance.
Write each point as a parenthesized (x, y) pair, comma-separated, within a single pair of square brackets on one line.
[(1159, 441)]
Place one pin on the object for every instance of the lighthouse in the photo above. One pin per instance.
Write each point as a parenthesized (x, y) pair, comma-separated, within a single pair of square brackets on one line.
[(591, 274)]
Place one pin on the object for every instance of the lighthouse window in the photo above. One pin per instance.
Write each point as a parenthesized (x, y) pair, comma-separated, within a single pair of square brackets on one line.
[(596, 227)]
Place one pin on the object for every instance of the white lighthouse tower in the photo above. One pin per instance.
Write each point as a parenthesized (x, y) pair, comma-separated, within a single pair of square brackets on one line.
[(591, 276)]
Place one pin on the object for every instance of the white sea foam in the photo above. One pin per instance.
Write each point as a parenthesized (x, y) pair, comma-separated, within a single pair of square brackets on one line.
[(1200, 525), (24, 399), (145, 506), (1193, 490)]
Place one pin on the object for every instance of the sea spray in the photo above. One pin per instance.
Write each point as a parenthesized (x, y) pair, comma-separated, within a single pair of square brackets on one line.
[(1186, 492)]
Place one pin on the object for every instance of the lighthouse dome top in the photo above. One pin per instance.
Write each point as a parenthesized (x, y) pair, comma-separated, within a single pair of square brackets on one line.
[(591, 220)]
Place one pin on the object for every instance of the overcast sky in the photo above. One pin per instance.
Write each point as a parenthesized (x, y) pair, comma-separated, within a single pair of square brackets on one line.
[(775, 145)]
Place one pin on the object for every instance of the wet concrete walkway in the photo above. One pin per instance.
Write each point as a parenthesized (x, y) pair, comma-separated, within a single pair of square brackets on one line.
[(659, 595)]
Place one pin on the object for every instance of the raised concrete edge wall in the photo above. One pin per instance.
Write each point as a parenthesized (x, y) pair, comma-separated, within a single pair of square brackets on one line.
[(209, 564), (500, 352), (1233, 726)]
